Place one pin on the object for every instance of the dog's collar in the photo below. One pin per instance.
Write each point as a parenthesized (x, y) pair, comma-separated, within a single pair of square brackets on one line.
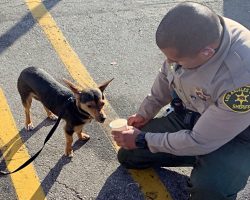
[(83, 112)]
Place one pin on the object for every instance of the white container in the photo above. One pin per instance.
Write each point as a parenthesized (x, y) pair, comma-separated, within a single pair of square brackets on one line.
[(119, 125)]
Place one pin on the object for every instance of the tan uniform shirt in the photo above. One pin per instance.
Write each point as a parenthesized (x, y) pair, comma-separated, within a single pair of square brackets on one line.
[(219, 90)]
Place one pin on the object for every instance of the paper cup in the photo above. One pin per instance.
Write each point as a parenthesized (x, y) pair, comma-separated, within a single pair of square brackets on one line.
[(119, 125)]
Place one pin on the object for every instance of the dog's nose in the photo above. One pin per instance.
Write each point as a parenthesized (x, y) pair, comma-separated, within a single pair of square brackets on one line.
[(102, 119)]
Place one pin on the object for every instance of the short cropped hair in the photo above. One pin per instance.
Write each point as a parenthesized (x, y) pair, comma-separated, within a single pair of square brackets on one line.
[(188, 27)]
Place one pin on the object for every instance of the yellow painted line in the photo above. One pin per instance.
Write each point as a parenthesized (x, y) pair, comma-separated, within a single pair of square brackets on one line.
[(148, 180), (58, 41), (25, 181)]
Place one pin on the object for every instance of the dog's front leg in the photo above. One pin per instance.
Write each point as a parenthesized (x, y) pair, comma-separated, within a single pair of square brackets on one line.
[(69, 140), (81, 135)]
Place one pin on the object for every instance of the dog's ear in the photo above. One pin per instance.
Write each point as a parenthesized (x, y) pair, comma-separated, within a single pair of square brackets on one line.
[(104, 85), (71, 86)]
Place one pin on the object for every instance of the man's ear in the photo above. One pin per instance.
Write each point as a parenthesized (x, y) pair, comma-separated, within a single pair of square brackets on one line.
[(104, 85), (207, 52), (71, 86)]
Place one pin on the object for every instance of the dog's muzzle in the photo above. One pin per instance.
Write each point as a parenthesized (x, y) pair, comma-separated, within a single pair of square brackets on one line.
[(102, 118)]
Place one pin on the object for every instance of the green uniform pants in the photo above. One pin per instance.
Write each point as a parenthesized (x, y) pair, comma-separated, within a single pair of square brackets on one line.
[(219, 175)]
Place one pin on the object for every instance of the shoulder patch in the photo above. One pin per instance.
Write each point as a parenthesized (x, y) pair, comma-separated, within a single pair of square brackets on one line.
[(238, 100)]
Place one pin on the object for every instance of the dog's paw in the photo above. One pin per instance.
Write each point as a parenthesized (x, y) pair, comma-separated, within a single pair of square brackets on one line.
[(53, 117), (69, 153), (83, 136), (29, 127)]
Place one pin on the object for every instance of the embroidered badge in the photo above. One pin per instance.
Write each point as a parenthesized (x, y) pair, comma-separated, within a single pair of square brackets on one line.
[(238, 100), (201, 94)]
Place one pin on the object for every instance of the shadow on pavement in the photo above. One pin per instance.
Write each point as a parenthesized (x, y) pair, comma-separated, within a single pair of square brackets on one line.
[(121, 186), (16, 142), (53, 174), (175, 183), (51, 178), (22, 27)]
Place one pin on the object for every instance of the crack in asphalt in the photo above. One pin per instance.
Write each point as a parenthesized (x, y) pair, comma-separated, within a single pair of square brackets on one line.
[(75, 193)]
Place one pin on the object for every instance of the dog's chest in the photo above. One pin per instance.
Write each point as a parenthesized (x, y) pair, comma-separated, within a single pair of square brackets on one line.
[(76, 118)]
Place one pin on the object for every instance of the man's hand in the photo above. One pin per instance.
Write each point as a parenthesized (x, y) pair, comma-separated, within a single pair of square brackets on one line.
[(137, 121), (126, 139)]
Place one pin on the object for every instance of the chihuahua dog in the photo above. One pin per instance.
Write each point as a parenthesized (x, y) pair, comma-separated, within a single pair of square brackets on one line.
[(87, 103)]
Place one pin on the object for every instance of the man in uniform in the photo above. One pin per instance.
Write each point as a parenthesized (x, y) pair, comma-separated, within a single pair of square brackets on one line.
[(208, 66)]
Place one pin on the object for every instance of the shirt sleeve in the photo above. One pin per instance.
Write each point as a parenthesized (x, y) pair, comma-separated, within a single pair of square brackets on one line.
[(217, 126), (159, 96)]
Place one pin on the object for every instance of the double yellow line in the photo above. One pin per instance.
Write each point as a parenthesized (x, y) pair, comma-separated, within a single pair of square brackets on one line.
[(148, 180)]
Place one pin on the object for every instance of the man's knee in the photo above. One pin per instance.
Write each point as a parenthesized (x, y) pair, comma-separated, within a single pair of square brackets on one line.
[(127, 159), (133, 159)]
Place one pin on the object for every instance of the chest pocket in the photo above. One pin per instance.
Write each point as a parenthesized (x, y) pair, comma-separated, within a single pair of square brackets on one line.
[(200, 100), (190, 96)]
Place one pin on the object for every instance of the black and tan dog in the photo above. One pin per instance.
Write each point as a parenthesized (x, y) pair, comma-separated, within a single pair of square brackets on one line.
[(87, 104)]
